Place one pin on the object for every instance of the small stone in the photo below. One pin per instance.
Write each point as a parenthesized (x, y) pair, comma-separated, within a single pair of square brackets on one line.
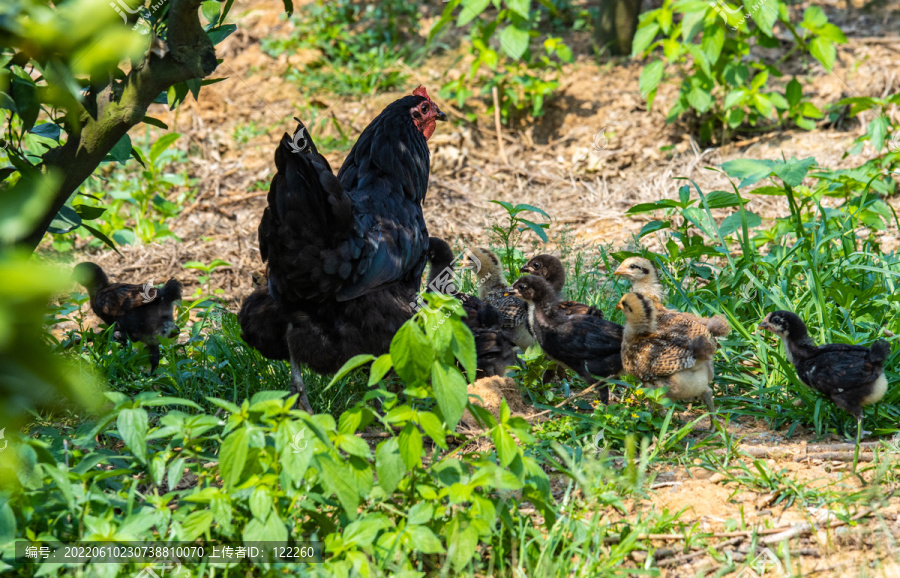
[(718, 477)]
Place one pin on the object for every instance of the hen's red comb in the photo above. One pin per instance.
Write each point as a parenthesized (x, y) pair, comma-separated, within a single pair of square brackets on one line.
[(421, 92)]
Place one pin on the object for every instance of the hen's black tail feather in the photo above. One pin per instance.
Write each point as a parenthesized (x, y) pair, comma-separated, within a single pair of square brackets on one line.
[(171, 291), (880, 351)]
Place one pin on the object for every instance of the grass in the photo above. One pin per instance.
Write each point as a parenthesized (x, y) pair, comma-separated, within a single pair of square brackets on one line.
[(201, 447)]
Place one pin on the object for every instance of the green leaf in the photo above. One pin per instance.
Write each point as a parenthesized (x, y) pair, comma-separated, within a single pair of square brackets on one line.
[(161, 144), (379, 369), (652, 227), (132, 425), (233, 456), (121, 152), (750, 171), (764, 13), (793, 92), (794, 171), (642, 39), (24, 93), (824, 51), (432, 427), (651, 76), (353, 363), (272, 530), (505, 444), (722, 199), (691, 24), (210, 10), (260, 503), (88, 212), (155, 122), (421, 513), (732, 223), (462, 539), (338, 478), (813, 18), (463, 346), (195, 525), (520, 7), (67, 219), (422, 539), (877, 130), (538, 229), (288, 6), (389, 465), (514, 41), (220, 33), (450, 391), (470, 10), (699, 99), (47, 130), (410, 443), (412, 354)]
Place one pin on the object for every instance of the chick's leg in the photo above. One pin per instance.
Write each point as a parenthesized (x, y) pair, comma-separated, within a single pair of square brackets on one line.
[(708, 400), (298, 387), (154, 356)]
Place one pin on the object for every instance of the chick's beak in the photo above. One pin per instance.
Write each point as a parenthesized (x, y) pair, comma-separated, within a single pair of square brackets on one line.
[(621, 271), (511, 291), (765, 325), (619, 306)]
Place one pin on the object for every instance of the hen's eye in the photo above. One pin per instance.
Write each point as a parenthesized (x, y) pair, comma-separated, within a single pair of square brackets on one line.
[(425, 107)]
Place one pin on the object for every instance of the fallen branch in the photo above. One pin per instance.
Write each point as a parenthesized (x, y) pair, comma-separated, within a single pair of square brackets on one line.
[(581, 393), (692, 555), (836, 456)]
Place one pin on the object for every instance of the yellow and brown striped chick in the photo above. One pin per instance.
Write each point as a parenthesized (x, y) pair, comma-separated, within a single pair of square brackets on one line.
[(662, 358), (644, 280), (493, 290)]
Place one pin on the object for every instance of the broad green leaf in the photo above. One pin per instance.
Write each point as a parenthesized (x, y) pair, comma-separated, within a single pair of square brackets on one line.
[(260, 503), (642, 39), (450, 391), (764, 13), (732, 223), (163, 142), (651, 76), (423, 540), (389, 465), (699, 99), (464, 348), (379, 369), (233, 456), (520, 7), (877, 130), (824, 51), (410, 443), (432, 427), (505, 444), (794, 171), (195, 525), (462, 539), (750, 171), (272, 530), (412, 354), (469, 10), (652, 227), (793, 92), (121, 151), (514, 41), (421, 513), (338, 478), (351, 364), (132, 426)]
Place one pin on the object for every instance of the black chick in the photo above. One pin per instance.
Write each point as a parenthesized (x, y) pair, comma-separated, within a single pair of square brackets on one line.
[(492, 344), (588, 345), (851, 375), (551, 269), (263, 323), (140, 312)]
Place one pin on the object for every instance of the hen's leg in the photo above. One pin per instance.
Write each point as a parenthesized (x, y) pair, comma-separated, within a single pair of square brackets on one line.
[(858, 435), (298, 387)]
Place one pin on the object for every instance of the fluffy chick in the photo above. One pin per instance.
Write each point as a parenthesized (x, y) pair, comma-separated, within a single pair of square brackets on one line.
[(492, 288), (493, 345), (139, 312), (551, 269), (263, 322), (851, 375), (644, 280), (588, 345), (664, 358)]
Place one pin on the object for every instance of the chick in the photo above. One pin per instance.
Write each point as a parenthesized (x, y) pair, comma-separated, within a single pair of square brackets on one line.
[(263, 323), (851, 375), (551, 269), (665, 358), (645, 281), (493, 345), (139, 312), (492, 288), (588, 345)]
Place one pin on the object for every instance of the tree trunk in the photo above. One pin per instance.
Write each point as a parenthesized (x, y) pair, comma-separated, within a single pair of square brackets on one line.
[(110, 111), (616, 24)]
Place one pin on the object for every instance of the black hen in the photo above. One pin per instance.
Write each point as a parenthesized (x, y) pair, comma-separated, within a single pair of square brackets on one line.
[(492, 344), (263, 323), (140, 312), (551, 269), (588, 345), (346, 253), (851, 375)]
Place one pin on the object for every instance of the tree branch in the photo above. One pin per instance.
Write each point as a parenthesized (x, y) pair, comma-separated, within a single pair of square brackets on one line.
[(122, 105)]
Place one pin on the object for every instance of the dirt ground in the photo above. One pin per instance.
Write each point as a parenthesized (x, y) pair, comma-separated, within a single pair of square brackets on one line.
[(596, 152)]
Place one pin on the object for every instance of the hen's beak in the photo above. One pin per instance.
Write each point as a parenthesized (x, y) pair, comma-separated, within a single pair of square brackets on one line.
[(440, 115)]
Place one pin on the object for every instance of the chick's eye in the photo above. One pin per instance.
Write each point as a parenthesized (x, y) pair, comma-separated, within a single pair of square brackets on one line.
[(635, 267)]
